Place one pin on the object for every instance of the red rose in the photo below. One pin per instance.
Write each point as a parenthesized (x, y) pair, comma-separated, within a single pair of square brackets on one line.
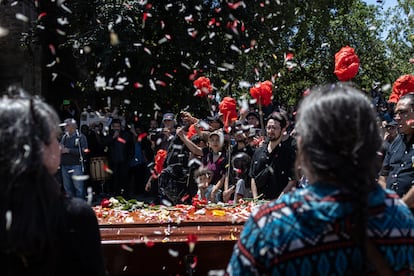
[(105, 203)]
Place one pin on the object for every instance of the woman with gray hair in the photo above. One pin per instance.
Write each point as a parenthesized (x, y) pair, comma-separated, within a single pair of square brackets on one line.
[(343, 222), (42, 232)]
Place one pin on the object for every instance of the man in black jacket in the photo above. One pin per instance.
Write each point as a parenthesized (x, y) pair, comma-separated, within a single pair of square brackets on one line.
[(272, 166)]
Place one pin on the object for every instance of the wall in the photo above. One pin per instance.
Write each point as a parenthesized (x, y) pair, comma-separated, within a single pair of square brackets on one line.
[(18, 64)]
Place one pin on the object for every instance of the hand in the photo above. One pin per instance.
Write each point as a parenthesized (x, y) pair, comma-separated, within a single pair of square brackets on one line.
[(148, 186), (180, 132), (116, 134), (227, 193)]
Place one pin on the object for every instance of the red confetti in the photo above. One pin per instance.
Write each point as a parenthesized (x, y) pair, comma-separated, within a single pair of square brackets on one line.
[(289, 56), (41, 15), (142, 136), (138, 85), (149, 243), (52, 49), (184, 198)]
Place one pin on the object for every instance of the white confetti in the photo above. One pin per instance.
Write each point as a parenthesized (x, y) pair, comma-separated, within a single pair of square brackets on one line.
[(22, 17), (9, 218), (80, 177), (152, 85), (166, 202), (173, 253), (89, 195), (54, 76), (3, 32)]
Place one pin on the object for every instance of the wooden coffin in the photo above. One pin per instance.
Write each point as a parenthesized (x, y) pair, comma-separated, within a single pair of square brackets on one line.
[(157, 242)]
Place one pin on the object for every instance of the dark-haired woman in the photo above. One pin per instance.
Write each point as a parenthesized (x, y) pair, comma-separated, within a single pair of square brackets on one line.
[(343, 223), (41, 231)]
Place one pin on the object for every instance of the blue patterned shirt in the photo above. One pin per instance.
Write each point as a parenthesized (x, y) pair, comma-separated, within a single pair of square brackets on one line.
[(306, 232)]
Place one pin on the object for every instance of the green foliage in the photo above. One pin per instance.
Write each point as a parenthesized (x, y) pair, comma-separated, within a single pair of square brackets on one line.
[(151, 51)]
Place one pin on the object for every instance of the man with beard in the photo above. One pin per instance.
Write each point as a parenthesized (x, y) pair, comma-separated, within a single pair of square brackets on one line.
[(272, 166)]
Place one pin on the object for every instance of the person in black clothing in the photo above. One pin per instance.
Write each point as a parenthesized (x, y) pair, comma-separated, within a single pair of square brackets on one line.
[(272, 167), (398, 166), (121, 151), (42, 232)]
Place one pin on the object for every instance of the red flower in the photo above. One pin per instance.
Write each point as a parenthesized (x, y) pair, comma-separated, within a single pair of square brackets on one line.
[(262, 92), (403, 85), (159, 160), (227, 107), (346, 63), (203, 86), (105, 203)]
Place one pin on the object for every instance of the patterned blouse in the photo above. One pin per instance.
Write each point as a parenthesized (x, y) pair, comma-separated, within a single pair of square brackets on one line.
[(306, 232)]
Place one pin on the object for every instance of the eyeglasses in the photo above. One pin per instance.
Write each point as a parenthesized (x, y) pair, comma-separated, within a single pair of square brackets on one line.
[(401, 113), (272, 127)]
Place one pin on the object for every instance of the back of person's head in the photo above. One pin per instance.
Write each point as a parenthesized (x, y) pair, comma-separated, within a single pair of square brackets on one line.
[(241, 163), (71, 122), (338, 141), (339, 137), (30, 197), (26, 126)]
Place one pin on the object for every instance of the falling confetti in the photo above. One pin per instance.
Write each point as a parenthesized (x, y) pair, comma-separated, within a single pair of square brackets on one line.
[(22, 17)]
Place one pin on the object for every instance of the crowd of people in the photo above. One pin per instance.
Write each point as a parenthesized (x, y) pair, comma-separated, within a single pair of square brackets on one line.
[(338, 178)]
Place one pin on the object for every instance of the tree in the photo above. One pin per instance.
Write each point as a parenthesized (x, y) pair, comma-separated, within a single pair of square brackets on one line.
[(152, 51)]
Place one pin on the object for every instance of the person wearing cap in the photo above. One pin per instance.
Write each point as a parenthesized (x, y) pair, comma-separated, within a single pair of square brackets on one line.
[(72, 147), (213, 158), (215, 122), (253, 119), (390, 133), (397, 171)]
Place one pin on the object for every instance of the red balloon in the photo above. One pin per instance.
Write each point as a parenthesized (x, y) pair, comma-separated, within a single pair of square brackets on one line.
[(346, 64)]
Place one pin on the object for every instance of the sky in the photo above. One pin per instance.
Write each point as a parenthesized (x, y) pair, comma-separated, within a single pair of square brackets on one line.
[(387, 3)]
